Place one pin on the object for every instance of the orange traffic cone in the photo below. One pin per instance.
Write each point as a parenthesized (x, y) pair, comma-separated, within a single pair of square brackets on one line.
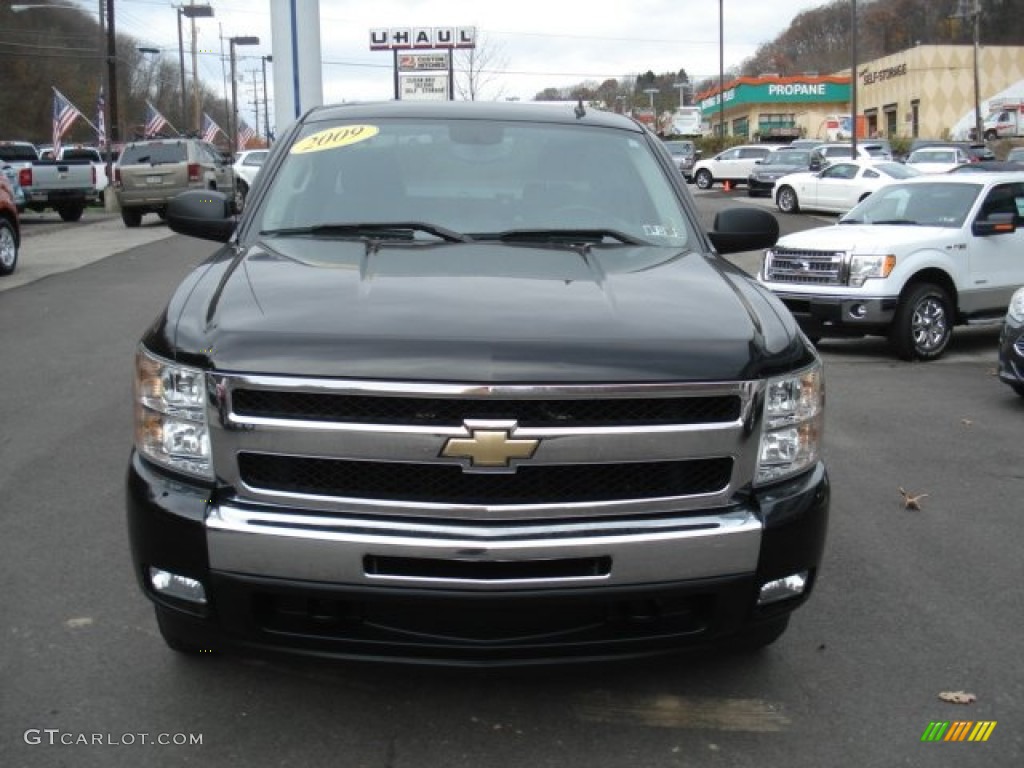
[(727, 185)]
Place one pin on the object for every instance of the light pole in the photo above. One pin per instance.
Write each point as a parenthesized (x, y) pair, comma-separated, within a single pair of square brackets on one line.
[(650, 93), (853, 80), (721, 71), (266, 99), (975, 15), (233, 136), (682, 88), (192, 12)]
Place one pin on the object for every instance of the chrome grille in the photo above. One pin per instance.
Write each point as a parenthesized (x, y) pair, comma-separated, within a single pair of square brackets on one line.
[(787, 265), (377, 448)]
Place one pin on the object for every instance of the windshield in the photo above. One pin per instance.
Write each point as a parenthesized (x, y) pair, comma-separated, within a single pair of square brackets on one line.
[(788, 157), (896, 170), (153, 154), (480, 178), (17, 153), (927, 204)]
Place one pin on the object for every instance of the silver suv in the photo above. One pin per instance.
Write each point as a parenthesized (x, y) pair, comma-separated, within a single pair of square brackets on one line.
[(149, 173)]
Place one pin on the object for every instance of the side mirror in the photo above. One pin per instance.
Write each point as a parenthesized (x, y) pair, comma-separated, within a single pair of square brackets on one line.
[(743, 229), (205, 214), (995, 224)]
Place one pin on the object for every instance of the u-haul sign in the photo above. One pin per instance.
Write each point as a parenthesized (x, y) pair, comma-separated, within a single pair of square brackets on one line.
[(387, 38)]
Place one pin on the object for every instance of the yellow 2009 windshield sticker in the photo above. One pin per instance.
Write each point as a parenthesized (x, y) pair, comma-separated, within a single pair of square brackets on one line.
[(333, 138)]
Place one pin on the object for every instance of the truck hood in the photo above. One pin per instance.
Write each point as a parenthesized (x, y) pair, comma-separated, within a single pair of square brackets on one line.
[(478, 312), (871, 238)]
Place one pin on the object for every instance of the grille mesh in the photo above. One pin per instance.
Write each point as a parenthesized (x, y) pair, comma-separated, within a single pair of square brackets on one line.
[(367, 409), (448, 484)]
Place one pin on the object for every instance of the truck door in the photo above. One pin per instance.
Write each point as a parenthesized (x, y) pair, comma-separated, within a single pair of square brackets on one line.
[(997, 261)]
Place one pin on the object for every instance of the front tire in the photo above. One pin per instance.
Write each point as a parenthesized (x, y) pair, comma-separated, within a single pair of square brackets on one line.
[(923, 324), (753, 639), (180, 636), (787, 200), (8, 248), (703, 179)]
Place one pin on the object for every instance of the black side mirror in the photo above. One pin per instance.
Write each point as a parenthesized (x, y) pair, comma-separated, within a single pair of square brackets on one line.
[(743, 229), (206, 214)]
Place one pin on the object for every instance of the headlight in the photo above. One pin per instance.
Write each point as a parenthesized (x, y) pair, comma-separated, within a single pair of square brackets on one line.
[(864, 266), (1016, 310), (170, 415), (794, 422)]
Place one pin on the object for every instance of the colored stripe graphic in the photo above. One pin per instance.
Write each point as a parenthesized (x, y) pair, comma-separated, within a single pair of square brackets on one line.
[(982, 730), (958, 730)]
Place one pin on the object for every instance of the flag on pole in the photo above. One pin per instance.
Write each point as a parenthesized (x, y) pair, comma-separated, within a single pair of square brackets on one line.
[(101, 121), (210, 128), (155, 122), (245, 134), (64, 114)]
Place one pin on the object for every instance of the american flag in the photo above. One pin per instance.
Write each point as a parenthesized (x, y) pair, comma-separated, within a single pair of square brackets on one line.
[(101, 123), (155, 122), (210, 128), (64, 114), (245, 134)]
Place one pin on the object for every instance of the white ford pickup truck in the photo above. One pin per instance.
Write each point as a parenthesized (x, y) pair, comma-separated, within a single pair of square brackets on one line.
[(911, 261)]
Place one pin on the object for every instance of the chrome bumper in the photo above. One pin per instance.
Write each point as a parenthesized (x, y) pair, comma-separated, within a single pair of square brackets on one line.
[(350, 551)]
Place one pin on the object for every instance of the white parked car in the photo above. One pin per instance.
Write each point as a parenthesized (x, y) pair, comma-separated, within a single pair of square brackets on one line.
[(247, 165), (937, 159), (838, 187), (733, 165)]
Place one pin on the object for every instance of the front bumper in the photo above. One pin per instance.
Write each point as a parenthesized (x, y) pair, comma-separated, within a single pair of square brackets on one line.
[(1011, 355), (373, 588), (839, 315), (760, 187)]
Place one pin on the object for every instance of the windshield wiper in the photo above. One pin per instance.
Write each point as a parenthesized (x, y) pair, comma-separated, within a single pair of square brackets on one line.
[(392, 230), (590, 236), (911, 222)]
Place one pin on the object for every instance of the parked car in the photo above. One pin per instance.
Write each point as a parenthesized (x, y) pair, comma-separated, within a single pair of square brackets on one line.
[(10, 231), (149, 173), (937, 159), (913, 260), (733, 165), (11, 174), (988, 166), (838, 187), (93, 156), (976, 150), (247, 164), (779, 163), (453, 390), (1015, 155), (804, 143), (1011, 344), (824, 154), (684, 155)]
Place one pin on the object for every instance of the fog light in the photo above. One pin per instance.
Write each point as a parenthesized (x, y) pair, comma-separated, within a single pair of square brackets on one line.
[(858, 311), (179, 587), (783, 589)]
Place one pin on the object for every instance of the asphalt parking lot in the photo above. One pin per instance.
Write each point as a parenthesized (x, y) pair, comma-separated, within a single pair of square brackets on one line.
[(912, 604)]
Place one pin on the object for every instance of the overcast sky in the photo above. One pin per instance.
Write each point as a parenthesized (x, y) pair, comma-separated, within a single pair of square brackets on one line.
[(539, 43)]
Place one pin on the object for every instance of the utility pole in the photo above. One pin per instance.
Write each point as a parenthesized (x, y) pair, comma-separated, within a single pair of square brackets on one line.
[(255, 97), (196, 117)]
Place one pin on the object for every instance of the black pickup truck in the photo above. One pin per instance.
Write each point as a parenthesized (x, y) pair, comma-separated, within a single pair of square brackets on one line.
[(467, 383)]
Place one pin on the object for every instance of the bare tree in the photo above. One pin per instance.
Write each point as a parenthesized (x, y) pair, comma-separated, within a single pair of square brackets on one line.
[(477, 69)]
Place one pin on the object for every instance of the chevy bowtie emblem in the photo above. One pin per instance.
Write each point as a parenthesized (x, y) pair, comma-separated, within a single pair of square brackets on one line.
[(487, 448)]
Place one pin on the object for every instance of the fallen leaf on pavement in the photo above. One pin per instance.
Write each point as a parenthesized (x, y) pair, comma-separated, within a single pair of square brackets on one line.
[(912, 502)]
